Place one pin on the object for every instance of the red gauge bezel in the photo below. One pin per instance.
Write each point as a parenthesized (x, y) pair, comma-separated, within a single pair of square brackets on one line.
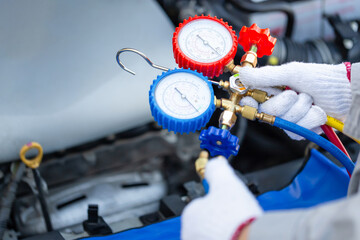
[(208, 69)]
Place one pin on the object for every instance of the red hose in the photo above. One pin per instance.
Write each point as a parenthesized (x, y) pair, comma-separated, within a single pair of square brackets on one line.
[(331, 135)]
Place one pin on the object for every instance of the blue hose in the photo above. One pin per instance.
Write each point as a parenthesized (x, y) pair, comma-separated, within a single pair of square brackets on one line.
[(322, 142), (205, 185)]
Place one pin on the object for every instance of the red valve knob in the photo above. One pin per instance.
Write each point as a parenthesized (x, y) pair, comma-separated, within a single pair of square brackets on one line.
[(205, 44), (256, 36)]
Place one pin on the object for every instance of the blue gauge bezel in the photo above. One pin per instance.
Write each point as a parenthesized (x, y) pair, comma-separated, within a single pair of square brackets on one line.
[(177, 124)]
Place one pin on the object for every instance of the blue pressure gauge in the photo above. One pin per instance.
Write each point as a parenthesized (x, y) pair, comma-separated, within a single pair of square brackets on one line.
[(181, 100)]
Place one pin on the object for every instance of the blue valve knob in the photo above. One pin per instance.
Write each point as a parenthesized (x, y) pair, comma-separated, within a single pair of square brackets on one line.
[(181, 100), (219, 142)]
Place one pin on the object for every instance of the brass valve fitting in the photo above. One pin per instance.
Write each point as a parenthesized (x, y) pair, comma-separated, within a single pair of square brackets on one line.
[(265, 118), (228, 118), (258, 95), (249, 59), (231, 67), (249, 112), (252, 114), (224, 84), (227, 104), (200, 163), (217, 102)]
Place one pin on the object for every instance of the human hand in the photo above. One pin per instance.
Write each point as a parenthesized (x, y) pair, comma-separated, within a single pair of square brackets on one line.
[(228, 205), (324, 85), (293, 107)]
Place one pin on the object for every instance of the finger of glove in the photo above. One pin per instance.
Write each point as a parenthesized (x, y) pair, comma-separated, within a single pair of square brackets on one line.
[(296, 137), (279, 104), (268, 76), (317, 130), (299, 109), (314, 118), (220, 175), (249, 101)]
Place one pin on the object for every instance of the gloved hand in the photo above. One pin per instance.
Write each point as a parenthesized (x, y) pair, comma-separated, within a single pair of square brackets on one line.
[(325, 85), (293, 107), (228, 204)]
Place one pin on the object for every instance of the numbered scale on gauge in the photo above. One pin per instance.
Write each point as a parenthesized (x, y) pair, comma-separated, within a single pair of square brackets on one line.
[(205, 41), (205, 44), (181, 100)]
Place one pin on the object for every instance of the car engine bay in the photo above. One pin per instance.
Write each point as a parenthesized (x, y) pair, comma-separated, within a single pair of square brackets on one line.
[(104, 155)]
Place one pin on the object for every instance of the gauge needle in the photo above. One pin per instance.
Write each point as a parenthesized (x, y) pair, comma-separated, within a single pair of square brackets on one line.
[(206, 43), (184, 97)]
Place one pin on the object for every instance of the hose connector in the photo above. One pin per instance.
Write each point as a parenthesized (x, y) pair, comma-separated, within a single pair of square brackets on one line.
[(249, 112), (263, 117), (259, 95), (201, 162)]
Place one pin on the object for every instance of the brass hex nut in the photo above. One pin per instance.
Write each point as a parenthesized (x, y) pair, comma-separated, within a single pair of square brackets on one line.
[(249, 112), (259, 95), (250, 58), (228, 118)]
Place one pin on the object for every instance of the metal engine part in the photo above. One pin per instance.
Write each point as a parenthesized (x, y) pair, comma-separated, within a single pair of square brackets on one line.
[(119, 196), (122, 174)]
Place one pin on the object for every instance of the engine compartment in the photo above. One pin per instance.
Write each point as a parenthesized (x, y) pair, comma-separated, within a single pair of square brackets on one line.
[(63, 88)]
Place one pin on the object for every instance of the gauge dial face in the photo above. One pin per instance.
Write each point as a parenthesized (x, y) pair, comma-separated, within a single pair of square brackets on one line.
[(183, 95), (205, 40)]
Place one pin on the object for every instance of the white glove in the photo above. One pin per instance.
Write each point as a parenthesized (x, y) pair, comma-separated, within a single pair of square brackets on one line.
[(293, 107), (228, 204), (325, 85)]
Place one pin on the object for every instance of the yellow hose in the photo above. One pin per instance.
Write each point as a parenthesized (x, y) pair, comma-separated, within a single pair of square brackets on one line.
[(334, 123), (338, 125)]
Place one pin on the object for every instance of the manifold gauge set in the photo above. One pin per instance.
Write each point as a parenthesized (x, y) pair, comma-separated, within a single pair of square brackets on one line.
[(182, 100)]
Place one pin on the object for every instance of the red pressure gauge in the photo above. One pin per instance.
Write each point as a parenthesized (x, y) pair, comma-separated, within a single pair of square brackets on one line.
[(205, 44)]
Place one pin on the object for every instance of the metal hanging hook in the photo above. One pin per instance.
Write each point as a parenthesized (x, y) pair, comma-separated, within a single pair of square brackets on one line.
[(140, 54)]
